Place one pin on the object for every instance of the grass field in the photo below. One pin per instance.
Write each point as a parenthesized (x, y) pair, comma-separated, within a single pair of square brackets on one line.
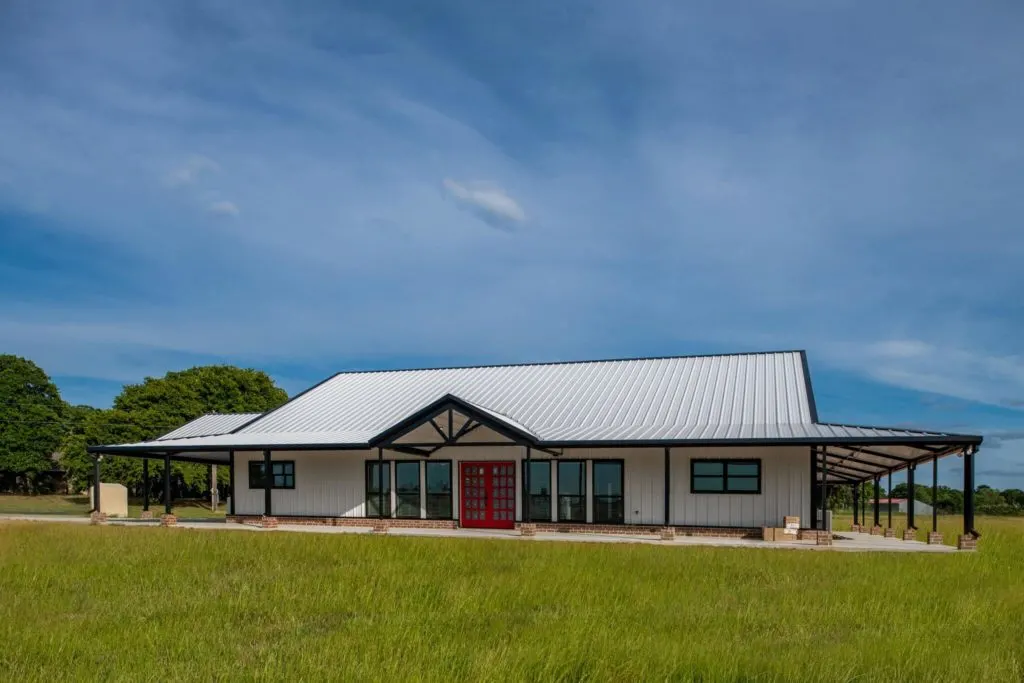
[(79, 505), (115, 603)]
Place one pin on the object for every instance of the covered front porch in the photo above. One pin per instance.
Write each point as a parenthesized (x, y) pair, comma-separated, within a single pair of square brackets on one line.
[(453, 466)]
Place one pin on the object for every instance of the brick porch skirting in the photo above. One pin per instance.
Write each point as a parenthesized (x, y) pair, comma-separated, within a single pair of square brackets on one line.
[(539, 527)]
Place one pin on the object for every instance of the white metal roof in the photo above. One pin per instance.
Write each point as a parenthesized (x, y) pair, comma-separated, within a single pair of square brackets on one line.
[(739, 398), (210, 425), (649, 398)]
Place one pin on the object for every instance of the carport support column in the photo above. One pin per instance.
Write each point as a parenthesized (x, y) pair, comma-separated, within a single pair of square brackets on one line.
[(145, 484), (96, 483), (526, 485), (878, 486), (910, 497), (856, 504), (889, 494), (380, 483), (268, 479), (935, 495), (969, 492), (824, 490), (231, 481), (863, 504), (167, 483), (668, 486), (814, 488)]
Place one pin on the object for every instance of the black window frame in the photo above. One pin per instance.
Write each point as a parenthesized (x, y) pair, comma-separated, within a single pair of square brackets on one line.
[(558, 492), (725, 477), (256, 475), (622, 488), (389, 512), (451, 488), (419, 488), (552, 495)]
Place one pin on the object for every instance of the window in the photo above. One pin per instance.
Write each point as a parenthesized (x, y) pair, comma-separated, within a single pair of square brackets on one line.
[(284, 474), (439, 489), (407, 486), (725, 476), (538, 498), (373, 492), (572, 491), (609, 507)]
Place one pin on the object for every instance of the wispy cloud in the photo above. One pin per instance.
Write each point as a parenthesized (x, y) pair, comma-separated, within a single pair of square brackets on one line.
[(947, 370), (189, 172), (488, 201), (224, 208)]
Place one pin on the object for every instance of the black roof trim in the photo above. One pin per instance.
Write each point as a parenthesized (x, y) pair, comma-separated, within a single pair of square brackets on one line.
[(570, 362), (439, 406), (941, 440), (811, 403)]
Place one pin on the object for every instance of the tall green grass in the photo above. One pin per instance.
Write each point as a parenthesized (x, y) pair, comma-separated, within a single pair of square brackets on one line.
[(143, 604)]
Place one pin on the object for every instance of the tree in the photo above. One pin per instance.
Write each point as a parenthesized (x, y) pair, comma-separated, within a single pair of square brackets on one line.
[(156, 406), (840, 497), (1014, 497), (31, 422)]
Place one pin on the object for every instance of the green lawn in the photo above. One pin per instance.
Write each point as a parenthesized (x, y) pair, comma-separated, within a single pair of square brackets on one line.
[(79, 505), (116, 603)]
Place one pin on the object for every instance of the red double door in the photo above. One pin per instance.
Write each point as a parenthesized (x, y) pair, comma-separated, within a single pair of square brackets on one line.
[(487, 495)]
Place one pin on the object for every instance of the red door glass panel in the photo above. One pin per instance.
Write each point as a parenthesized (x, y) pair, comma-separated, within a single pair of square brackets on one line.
[(487, 497)]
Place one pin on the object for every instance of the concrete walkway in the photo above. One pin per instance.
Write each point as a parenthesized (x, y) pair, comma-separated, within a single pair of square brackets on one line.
[(844, 541)]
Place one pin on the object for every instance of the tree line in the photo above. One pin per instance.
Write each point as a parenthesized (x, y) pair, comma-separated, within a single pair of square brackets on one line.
[(987, 500), (42, 437)]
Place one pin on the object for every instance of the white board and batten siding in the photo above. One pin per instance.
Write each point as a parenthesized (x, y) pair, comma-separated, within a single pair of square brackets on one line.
[(333, 483)]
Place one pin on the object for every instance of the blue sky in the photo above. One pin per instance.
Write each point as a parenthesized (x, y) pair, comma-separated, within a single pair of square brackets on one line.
[(308, 187)]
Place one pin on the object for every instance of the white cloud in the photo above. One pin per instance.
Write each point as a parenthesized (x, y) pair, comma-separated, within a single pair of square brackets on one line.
[(923, 366), (489, 198), (224, 208), (189, 172)]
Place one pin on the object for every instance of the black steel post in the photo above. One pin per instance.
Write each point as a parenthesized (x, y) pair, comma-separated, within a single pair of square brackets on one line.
[(910, 497), (863, 504), (526, 483), (814, 488), (824, 491), (878, 486), (935, 494), (856, 503), (380, 483), (145, 484), (969, 492), (889, 494), (668, 487), (167, 484), (231, 480), (268, 480), (96, 483)]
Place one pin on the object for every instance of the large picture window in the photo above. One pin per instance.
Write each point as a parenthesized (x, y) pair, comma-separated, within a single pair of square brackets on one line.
[(725, 476), (538, 498), (284, 474), (572, 491), (407, 489), (373, 491), (609, 507), (439, 489)]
